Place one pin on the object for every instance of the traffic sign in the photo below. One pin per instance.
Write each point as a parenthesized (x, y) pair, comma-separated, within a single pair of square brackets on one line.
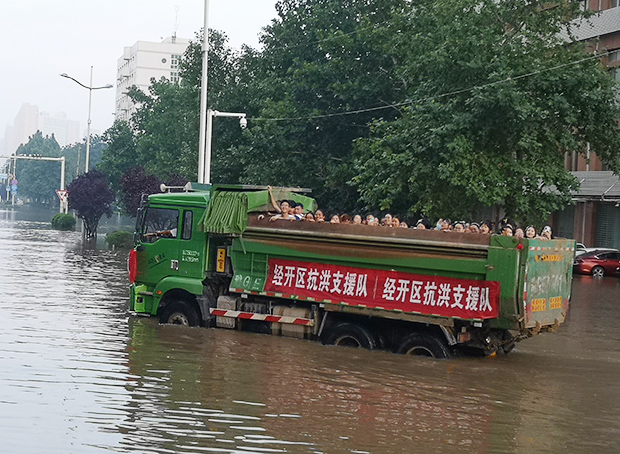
[(63, 194)]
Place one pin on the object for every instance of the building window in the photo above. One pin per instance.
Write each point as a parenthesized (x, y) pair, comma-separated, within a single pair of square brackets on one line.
[(615, 73), (174, 61), (613, 55), (174, 77)]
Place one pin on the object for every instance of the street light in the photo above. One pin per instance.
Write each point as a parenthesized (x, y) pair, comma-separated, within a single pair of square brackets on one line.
[(205, 118), (90, 89), (206, 115)]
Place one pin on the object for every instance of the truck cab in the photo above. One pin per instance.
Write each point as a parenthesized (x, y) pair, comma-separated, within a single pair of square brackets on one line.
[(170, 253)]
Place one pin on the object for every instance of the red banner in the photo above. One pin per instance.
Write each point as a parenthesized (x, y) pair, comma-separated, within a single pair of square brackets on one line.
[(381, 289)]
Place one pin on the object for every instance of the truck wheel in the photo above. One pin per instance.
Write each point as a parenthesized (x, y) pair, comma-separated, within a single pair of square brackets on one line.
[(424, 345), (350, 335), (598, 271), (179, 313)]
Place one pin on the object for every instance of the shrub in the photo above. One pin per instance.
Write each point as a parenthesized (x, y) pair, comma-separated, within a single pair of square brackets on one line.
[(62, 221), (119, 239)]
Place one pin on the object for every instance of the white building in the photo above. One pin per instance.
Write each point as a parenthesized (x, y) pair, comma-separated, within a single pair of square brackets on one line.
[(142, 62)]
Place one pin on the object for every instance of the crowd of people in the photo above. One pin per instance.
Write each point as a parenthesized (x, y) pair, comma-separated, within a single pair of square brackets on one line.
[(289, 210)]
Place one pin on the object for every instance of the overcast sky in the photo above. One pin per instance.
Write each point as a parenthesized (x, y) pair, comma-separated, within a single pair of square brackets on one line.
[(44, 38)]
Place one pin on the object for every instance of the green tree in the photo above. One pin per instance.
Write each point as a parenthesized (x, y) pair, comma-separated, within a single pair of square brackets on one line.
[(497, 98), (97, 149), (165, 130), (39, 180), (120, 153), (162, 135), (74, 155), (321, 58), (439, 107)]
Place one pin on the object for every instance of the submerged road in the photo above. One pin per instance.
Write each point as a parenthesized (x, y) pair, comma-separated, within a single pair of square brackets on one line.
[(78, 375)]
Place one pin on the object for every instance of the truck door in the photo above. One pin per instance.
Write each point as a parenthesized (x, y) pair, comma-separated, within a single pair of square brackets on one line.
[(192, 245), (158, 255)]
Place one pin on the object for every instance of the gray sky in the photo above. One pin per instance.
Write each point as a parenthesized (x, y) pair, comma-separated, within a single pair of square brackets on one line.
[(44, 38)]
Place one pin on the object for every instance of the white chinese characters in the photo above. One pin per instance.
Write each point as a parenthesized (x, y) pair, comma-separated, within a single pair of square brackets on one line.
[(386, 289), (429, 293), (322, 280)]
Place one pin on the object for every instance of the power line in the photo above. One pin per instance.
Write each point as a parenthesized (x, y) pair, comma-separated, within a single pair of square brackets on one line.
[(430, 98)]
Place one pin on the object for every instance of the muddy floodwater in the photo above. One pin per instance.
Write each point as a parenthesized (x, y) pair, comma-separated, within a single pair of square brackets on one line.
[(78, 374)]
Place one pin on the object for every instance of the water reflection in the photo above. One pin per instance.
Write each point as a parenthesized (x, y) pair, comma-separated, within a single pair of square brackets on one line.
[(62, 346), (79, 376), (193, 389)]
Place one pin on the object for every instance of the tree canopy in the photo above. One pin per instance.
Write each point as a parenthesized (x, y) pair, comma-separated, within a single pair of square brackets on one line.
[(497, 98), (433, 107), (39, 180), (162, 135)]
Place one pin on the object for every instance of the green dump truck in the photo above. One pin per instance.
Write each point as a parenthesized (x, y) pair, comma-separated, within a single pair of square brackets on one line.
[(212, 256)]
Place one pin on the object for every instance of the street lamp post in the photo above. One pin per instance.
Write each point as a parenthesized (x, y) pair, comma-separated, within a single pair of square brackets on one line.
[(206, 114), (90, 89), (204, 117)]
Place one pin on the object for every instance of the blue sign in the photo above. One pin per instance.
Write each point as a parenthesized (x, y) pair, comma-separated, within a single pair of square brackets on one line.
[(14, 189), (4, 176)]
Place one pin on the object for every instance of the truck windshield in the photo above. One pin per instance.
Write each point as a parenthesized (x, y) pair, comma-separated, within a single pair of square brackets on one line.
[(159, 223)]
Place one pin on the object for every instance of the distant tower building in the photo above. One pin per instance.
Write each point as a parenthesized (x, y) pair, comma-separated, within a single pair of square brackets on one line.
[(142, 62), (26, 124), (29, 120), (65, 131)]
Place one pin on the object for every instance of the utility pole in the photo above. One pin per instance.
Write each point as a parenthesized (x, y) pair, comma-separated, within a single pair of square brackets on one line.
[(204, 168)]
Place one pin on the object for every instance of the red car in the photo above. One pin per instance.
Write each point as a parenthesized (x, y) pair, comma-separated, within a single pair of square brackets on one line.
[(597, 263)]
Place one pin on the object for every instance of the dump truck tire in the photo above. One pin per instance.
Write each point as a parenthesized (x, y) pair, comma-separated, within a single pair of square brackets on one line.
[(348, 334), (422, 344), (180, 313)]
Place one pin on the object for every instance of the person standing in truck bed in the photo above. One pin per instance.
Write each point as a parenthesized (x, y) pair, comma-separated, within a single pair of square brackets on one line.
[(285, 211)]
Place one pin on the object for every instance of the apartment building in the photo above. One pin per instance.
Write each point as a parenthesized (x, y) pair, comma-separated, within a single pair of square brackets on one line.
[(142, 62)]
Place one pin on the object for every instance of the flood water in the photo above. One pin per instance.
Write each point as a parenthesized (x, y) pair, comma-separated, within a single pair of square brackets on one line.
[(79, 375)]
